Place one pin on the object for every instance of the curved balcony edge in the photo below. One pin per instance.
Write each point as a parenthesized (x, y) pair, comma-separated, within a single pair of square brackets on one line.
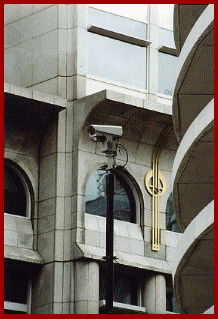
[(180, 21), (184, 171), (202, 28), (193, 265)]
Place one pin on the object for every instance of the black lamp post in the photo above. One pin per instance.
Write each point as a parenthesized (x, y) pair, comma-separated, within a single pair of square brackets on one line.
[(108, 136), (109, 243)]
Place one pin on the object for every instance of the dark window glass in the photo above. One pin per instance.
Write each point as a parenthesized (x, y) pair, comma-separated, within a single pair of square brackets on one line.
[(14, 312), (125, 288), (96, 199), (15, 284), (14, 193), (171, 305), (171, 221)]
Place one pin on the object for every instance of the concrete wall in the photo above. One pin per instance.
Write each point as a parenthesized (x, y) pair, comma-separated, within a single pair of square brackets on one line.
[(60, 161), (60, 67)]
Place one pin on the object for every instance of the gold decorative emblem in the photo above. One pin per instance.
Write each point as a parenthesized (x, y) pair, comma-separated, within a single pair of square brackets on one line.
[(156, 185)]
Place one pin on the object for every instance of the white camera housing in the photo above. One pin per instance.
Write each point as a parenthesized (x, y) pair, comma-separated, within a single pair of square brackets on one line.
[(107, 135), (98, 133)]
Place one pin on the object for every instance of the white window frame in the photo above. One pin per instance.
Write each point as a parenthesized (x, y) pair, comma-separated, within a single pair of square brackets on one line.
[(14, 306)]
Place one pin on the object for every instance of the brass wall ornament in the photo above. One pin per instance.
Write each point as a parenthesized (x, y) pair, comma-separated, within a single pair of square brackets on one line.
[(156, 185)]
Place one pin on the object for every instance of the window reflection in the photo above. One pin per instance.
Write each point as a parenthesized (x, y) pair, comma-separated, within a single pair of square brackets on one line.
[(137, 12), (125, 288), (96, 199), (167, 73), (171, 221), (166, 15), (116, 61), (171, 304), (117, 23), (14, 193)]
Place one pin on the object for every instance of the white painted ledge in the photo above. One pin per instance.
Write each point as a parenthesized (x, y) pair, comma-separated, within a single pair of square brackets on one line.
[(125, 308)]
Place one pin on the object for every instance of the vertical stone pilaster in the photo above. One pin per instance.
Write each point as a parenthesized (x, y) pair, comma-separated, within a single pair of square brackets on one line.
[(155, 294), (153, 53), (76, 51), (86, 287), (160, 294), (54, 231)]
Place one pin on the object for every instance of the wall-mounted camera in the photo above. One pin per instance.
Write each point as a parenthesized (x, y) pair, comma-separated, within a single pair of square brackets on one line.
[(107, 135), (98, 133)]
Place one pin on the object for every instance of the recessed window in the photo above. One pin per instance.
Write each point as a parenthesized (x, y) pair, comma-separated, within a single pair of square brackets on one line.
[(166, 38), (171, 305), (166, 16), (117, 61), (16, 201), (96, 199), (16, 283), (125, 288), (136, 12), (117, 23), (171, 221), (167, 73)]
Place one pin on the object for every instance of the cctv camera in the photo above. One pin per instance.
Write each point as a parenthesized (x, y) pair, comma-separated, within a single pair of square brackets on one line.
[(99, 133), (107, 135)]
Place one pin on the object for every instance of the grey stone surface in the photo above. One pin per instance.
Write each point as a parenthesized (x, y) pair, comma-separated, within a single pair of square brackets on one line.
[(67, 245), (58, 282), (47, 208), (49, 141), (57, 308), (59, 245), (51, 51), (92, 238), (161, 254), (136, 247), (45, 242), (60, 182), (25, 240), (60, 213), (66, 308), (46, 224), (160, 294), (23, 254), (47, 177), (155, 294), (66, 282), (43, 289)]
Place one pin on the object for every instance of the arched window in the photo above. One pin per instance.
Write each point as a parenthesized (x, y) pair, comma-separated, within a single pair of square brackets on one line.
[(171, 221), (16, 194), (96, 199)]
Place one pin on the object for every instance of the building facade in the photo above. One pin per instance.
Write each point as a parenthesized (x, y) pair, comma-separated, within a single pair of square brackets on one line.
[(193, 169), (68, 66)]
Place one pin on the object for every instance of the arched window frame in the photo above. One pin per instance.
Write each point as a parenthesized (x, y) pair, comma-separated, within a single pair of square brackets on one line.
[(27, 187), (136, 192)]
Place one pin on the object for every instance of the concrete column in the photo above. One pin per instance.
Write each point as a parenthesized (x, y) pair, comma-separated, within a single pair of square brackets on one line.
[(76, 51), (153, 53), (155, 294), (86, 287)]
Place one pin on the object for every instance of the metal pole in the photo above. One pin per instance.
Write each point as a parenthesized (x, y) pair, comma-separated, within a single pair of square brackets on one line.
[(109, 242)]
